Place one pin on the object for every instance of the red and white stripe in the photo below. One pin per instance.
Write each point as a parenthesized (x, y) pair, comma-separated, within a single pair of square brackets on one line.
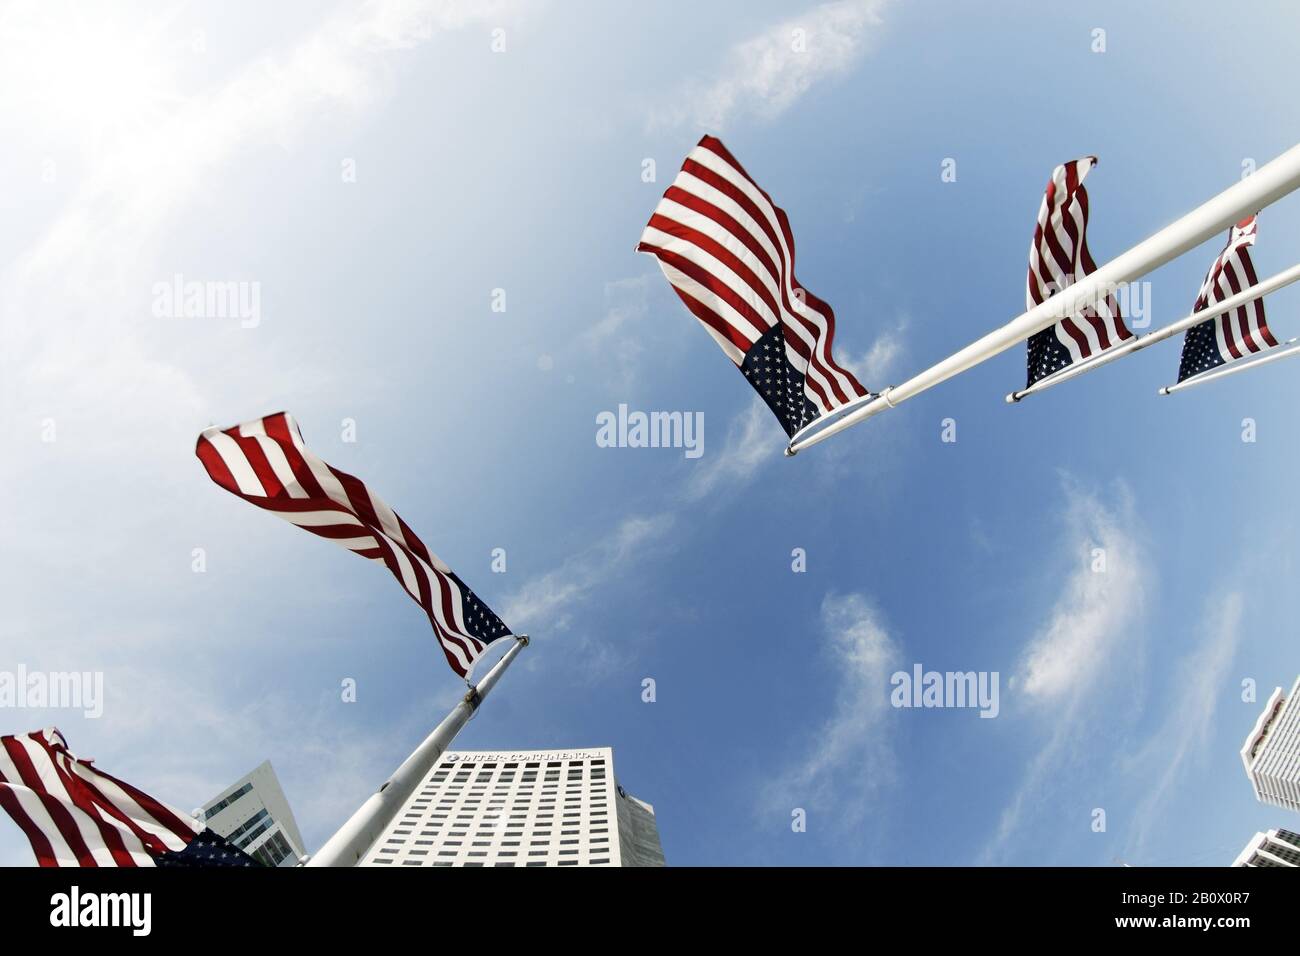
[(1059, 257), (76, 815), (1243, 331), (266, 463), (728, 251)]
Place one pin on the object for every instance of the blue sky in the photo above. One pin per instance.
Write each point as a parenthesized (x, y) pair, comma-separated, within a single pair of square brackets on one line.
[(141, 144)]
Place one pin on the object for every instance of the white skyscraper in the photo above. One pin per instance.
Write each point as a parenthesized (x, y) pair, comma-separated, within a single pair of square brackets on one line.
[(521, 808), (253, 814), (1272, 751), (1274, 848)]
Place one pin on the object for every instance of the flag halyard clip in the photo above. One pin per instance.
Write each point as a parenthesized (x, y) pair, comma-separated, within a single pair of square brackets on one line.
[(835, 415), (1287, 349)]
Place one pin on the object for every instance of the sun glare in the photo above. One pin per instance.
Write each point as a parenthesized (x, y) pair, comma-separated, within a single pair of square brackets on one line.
[(89, 74)]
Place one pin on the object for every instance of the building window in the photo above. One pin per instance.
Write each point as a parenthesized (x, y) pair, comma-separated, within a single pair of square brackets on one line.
[(227, 801)]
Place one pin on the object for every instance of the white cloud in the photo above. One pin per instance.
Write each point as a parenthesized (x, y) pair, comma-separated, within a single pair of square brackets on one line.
[(1090, 645), (851, 753), (625, 303), (752, 439), (549, 602), (611, 340), (1090, 621), (766, 74), (875, 367)]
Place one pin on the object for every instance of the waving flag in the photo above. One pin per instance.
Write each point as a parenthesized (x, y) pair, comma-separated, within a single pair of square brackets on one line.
[(728, 251), (1058, 257), (1236, 334), (76, 815), (266, 463)]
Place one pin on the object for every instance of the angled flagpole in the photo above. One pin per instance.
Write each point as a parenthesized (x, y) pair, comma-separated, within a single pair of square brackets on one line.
[(358, 835), (1287, 348), (1267, 185), (1271, 284)]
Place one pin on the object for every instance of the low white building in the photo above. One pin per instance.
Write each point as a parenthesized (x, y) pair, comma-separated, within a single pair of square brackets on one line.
[(521, 808)]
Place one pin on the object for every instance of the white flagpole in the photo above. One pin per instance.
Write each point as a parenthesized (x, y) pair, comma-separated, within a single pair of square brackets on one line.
[(1271, 284), (1267, 185), (355, 838), (1288, 348)]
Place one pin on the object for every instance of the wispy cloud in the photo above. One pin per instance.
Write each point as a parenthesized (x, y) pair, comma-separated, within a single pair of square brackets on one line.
[(611, 340), (1101, 597), (752, 439), (763, 76), (876, 366), (550, 602), (549, 598), (1185, 732), (1089, 645), (852, 750)]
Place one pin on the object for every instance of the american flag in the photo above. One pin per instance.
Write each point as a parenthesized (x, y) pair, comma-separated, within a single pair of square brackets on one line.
[(76, 815), (1236, 334), (1059, 257), (728, 251), (266, 463)]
